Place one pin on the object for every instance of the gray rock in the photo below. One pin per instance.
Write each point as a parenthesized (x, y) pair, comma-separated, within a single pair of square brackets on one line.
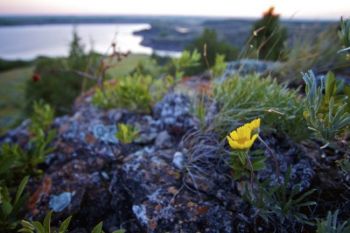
[(173, 114), (163, 140), (140, 213), (59, 202), (178, 160), (105, 133), (248, 66)]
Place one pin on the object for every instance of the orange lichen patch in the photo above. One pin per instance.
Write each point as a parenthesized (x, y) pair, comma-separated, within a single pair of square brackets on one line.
[(270, 12), (153, 224), (158, 208), (202, 210), (43, 190), (205, 88), (89, 138)]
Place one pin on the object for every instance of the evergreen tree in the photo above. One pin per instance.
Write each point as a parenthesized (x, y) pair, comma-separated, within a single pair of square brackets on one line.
[(209, 41), (268, 36)]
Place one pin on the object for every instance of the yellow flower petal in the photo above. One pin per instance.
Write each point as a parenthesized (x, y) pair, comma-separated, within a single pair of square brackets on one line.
[(234, 135), (255, 124), (230, 142), (242, 137)]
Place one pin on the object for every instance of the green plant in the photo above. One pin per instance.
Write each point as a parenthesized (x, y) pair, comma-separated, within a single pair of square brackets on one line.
[(136, 93), (325, 111), (60, 75), (241, 140), (313, 52), (98, 229), (45, 227), (76, 52), (56, 77), (199, 110), (219, 66), (42, 117), (242, 99), (147, 67), (332, 225), (16, 162), (344, 33), (209, 46), (10, 207), (280, 205), (268, 37), (187, 61), (126, 133)]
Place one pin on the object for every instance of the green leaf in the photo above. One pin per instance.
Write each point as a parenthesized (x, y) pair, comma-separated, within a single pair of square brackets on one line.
[(119, 231), (97, 228), (258, 164), (330, 85), (47, 222), (64, 225), (21, 188), (6, 208), (39, 227), (27, 225)]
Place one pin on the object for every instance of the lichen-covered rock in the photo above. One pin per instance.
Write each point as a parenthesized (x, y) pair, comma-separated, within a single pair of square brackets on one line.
[(173, 113), (172, 178), (248, 66), (161, 203)]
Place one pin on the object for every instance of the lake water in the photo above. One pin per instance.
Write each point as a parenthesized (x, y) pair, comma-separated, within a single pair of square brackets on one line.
[(28, 42)]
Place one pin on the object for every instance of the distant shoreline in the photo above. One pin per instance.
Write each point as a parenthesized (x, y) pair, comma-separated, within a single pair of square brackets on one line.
[(15, 20), (164, 33)]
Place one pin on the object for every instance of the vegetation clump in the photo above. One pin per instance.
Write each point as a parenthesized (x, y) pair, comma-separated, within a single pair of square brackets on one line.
[(268, 40), (137, 93), (208, 45), (244, 98)]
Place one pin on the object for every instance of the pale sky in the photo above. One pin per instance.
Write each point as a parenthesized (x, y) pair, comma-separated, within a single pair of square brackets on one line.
[(235, 8)]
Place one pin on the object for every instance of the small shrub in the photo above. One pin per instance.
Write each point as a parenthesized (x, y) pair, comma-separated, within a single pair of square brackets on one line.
[(242, 99), (220, 66), (199, 110), (280, 205), (325, 111), (315, 52), (147, 67), (10, 207), (184, 64), (208, 46), (16, 162), (344, 33), (331, 224), (268, 37), (126, 133), (42, 117), (59, 83), (45, 226), (136, 93)]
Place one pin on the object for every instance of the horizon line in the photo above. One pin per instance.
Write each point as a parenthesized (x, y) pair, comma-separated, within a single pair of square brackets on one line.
[(313, 18)]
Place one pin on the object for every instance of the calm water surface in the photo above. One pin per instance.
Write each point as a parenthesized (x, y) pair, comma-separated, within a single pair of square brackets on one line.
[(27, 42)]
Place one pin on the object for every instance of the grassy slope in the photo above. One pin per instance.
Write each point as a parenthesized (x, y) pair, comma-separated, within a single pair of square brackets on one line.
[(127, 65), (12, 87)]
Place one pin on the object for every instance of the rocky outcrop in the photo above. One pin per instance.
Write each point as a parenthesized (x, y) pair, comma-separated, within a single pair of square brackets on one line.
[(172, 178)]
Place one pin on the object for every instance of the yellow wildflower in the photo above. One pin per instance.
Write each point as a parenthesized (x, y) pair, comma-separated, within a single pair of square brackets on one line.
[(242, 137), (254, 124)]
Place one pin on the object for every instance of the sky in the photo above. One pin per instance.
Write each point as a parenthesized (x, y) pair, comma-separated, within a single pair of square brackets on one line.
[(309, 9)]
